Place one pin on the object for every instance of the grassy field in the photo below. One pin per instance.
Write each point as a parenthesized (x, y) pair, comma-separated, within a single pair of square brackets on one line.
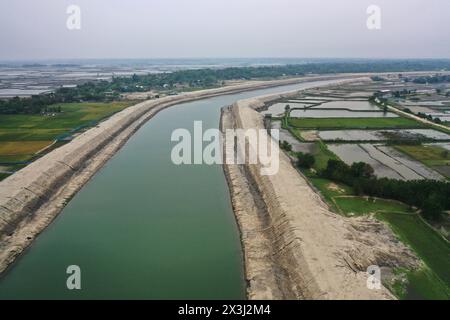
[(434, 157), (430, 247), (354, 123), (429, 282), (17, 151), (21, 136), (430, 155)]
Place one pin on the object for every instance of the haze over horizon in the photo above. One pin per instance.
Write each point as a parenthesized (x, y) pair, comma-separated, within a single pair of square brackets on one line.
[(138, 29)]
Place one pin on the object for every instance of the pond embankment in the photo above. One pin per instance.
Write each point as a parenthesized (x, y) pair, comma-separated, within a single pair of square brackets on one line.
[(294, 246)]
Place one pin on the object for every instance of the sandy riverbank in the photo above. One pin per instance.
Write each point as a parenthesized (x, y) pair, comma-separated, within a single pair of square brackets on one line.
[(31, 198), (294, 246)]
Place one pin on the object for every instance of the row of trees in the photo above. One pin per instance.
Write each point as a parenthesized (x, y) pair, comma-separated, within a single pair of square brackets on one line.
[(431, 196), (432, 79), (91, 91)]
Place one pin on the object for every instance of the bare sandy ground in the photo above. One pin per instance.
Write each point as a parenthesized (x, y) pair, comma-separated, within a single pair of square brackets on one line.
[(294, 246), (31, 198)]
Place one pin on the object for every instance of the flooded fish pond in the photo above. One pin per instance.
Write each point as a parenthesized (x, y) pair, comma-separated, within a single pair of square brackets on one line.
[(381, 135)]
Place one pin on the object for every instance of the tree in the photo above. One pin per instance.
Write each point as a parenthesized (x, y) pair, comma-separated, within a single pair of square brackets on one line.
[(361, 170), (432, 207), (336, 170), (305, 160), (286, 146), (287, 109)]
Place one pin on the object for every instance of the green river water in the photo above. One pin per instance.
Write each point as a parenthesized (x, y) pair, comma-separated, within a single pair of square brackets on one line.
[(144, 228)]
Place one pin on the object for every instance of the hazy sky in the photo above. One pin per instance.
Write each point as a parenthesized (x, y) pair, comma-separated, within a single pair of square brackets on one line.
[(36, 29)]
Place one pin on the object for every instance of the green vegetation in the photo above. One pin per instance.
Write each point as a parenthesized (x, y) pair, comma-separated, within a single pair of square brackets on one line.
[(329, 189), (427, 154), (355, 191), (48, 103), (429, 117), (432, 79), (342, 198), (354, 123), (305, 160), (430, 247), (357, 206), (435, 157), (322, 155), (432, 197), (286, 146), (342, 187), (30, 127), (285, 125), (429, 282)]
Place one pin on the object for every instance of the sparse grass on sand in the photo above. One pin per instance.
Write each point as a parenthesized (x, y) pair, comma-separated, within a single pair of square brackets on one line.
[(430, 155), (354, 123)]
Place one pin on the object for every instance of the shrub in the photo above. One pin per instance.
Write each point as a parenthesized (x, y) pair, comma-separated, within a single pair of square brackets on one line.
[(305, 160)]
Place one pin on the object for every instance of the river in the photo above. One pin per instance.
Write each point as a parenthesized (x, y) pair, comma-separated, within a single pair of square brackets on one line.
[(144, 228)]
